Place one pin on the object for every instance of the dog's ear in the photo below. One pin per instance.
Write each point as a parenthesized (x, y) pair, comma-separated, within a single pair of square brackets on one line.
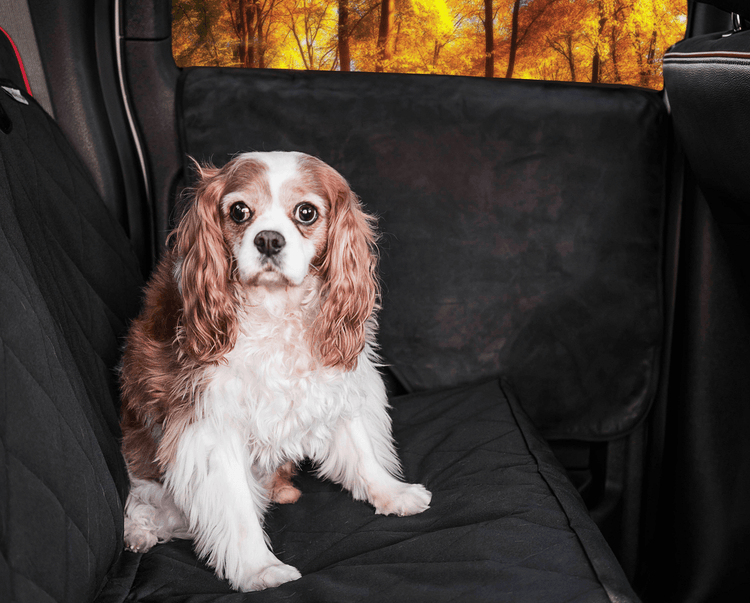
[(209, 315), (349, 292)]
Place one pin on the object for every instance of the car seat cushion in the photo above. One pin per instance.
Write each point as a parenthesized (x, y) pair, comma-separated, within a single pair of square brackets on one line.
[(503, 519)]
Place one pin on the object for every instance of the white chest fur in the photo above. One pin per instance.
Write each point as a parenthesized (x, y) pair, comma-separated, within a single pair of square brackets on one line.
[(274, 391)]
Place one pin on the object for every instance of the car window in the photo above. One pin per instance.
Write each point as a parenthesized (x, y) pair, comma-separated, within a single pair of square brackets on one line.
[(599, 41)]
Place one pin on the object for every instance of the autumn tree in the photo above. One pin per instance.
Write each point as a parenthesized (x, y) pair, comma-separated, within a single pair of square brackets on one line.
[(310, 25), (250, 22), (194, 33), (424, 30), (454, 37), (566, 37), (651, 33), (527, 20)]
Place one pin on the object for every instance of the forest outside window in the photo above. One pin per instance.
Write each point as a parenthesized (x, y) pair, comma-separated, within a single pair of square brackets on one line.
[(598, 41)]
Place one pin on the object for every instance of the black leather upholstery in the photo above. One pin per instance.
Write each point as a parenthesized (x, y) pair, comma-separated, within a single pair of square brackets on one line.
[(704, 527), (708, 85)]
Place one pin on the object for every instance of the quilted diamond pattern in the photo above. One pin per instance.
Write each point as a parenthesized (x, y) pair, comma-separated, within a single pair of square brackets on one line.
[(68, 283)]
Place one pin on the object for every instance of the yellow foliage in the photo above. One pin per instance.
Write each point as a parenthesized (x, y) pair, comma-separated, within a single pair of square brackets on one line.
[(433, 16), (606, 41)]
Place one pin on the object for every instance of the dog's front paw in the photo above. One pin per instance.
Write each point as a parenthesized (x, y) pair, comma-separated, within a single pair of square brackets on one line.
[(274, 575), (269, 576), (138, 538), (403, 499)]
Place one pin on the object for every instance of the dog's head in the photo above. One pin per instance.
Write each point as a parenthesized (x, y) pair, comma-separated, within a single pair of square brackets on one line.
[(276, 221)]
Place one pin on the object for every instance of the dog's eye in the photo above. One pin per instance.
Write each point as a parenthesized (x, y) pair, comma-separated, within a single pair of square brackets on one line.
[(239, 212), (306, 213)]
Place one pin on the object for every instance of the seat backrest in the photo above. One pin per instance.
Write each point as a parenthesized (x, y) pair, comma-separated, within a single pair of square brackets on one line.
[(523, 222), (69, 282), (707, 82)]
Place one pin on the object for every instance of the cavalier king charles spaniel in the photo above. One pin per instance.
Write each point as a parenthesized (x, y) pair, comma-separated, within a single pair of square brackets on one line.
[(254, 351)]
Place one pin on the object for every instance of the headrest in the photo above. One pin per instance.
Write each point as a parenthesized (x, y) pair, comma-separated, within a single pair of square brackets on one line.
[(11, 65), (707, 81)]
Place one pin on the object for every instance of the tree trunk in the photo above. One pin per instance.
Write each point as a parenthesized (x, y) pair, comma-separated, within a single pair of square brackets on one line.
[(513, 39), (489, 40), (249, 32), (614, 56), (260, 48), (565, 47), (597, 60), (644, 66), (385, 34), (595, 67), (257, 40), (345, 59), (571, 60), (650, 58), (246, 15)]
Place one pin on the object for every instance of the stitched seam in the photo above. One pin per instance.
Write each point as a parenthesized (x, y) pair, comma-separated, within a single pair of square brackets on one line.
[(543, 474), (62, 415), (82, 331), (76, 180)]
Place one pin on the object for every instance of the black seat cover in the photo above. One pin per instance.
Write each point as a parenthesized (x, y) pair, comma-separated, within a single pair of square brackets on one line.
[(69, 282), (522, 222)]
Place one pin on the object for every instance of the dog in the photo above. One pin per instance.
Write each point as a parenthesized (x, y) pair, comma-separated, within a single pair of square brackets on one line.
[(256, 349)]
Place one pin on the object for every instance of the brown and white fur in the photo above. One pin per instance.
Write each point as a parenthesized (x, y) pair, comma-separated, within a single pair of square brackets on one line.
[(254, 351)]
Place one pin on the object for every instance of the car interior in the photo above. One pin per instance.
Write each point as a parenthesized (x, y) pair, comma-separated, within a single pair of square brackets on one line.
[(565, 323)]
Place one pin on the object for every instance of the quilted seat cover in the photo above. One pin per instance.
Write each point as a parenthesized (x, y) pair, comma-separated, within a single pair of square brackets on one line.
[(68, 283), (504, 524)]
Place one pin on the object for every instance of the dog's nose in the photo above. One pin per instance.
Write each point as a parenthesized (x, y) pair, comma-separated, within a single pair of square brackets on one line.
[(269, 242)]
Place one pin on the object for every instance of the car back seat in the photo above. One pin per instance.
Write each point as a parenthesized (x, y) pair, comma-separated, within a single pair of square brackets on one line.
[(529, 231), (504, 523)]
